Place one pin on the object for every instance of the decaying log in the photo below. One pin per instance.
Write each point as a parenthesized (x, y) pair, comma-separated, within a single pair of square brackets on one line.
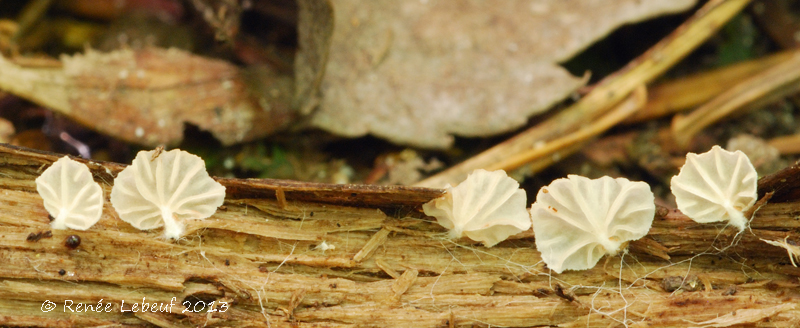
[(281, 253)]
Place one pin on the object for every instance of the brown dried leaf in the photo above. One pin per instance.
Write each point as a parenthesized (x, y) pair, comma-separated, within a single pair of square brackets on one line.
[(417, 72), (146, 96)]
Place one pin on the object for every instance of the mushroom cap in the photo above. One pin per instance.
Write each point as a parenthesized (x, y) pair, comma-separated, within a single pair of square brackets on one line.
[(717, 185), (487, 207), (174, 184), (70, 195), (577, 220)]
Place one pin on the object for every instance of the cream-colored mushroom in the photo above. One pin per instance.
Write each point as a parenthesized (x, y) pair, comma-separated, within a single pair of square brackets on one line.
[(487, 207), (717, 185), (578, 220), (70, 195), (165, 189)]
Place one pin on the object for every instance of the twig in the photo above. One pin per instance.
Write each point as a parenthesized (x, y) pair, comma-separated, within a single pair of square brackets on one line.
[(777, 82), (786, 145), (30, 15), (627, 107), (688, 92)]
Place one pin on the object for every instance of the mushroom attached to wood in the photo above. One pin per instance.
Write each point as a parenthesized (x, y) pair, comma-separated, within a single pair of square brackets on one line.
[(165, 189), (487, 207), (577, 220), (717, 185), (70, 195)]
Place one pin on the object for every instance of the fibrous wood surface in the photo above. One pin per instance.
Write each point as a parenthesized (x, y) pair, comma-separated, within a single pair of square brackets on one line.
[(286, 253)]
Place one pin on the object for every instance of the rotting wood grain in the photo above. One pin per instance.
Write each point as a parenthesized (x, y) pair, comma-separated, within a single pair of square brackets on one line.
[(372, 244), (261, 258)]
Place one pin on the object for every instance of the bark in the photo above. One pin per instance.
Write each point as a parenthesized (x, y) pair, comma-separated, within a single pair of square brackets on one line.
[(281, 253)]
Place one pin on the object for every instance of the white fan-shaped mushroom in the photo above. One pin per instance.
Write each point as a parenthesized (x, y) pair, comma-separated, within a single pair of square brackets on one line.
[(165, 191), (70, 195), (487, 207), (717, 185), (578, 220)]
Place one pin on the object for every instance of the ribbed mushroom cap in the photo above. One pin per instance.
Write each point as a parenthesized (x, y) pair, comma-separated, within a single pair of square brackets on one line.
[(487, 207), (165, 191), (717, 185), (578, 220), (70, 195)]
